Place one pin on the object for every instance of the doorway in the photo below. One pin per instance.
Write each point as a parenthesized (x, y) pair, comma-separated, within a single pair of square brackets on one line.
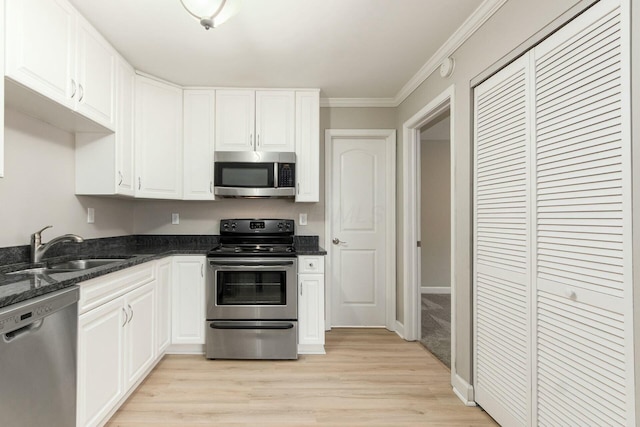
[(434, 205), (360, 226), (408, 325)]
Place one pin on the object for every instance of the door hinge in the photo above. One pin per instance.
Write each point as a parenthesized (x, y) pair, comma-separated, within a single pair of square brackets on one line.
[(419, 244)]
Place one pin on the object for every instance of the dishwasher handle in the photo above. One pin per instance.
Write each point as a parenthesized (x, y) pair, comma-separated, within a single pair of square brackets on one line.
[(25, 330)]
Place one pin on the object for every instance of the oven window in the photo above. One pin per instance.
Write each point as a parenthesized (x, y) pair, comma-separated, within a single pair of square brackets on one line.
[(251, 288), (247, 175)]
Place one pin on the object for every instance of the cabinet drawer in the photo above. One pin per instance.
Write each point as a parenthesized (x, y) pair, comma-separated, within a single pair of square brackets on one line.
[(97, 291), (311, 264)]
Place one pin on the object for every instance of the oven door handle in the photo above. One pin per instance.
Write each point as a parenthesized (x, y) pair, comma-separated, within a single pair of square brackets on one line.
[(249, 325), (250, 265)]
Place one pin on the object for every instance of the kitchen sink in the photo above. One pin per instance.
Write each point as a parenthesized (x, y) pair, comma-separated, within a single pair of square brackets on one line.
[(84, 264), (41, 270), (69, 266)]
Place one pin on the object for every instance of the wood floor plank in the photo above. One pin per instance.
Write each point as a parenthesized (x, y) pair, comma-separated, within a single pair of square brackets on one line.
[(369, 377)]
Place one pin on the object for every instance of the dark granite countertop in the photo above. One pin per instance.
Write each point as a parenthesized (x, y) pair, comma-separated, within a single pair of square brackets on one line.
[(136, 250)]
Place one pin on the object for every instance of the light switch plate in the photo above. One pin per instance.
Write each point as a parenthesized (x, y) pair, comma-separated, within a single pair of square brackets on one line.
[(303, 219), (175, 218)]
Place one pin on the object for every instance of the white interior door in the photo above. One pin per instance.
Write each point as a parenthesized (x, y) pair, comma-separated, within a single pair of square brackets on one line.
[(361, 192)]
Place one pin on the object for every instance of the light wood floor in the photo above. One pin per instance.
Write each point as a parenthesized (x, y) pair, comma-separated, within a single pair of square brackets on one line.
[(368, 377)]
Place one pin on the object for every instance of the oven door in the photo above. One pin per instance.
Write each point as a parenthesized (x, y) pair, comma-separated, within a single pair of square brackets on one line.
[(252, 288)]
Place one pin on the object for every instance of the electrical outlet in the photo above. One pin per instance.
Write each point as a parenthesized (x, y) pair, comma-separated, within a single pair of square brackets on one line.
[(91, 215), (175, 218), (303, 219)]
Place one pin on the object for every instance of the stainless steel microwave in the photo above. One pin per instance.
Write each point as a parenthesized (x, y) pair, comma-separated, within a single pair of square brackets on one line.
[(254, 174)]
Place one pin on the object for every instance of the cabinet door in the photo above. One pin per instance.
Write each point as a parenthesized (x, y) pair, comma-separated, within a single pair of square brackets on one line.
[(275, 118), (100, 361), (139, 332), (124, 129), (188, 306), (199, 108), (158, 140), (96, 68), (163, 304), (40, 43), (235, 120), (311, 313), (308, 146)]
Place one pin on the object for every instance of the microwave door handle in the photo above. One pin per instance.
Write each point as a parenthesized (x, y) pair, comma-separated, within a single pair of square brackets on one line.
[(275, 174)]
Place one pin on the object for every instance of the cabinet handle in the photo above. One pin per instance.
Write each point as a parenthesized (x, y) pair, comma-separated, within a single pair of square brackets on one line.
[(73, 85), (258, 140), (300, 288), (211, 187), (201, 270), (251, 139), (126, 317), (121, 178), (139, 183), (131, 310), (81, 93), (298, 188)]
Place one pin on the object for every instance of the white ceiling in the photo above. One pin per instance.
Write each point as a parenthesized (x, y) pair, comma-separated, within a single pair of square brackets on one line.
[(348, 48)]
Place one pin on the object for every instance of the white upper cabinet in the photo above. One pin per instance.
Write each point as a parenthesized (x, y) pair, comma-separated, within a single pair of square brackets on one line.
[(124, 129), (250, 120), (235, 120), (199, 107), (104, 162), (41, 47), (53, 51), (96, 74), (275, 119), (158, 139), (307, 146)]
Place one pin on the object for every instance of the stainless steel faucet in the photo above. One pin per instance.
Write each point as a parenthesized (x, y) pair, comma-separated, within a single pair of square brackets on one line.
[(38, 248)]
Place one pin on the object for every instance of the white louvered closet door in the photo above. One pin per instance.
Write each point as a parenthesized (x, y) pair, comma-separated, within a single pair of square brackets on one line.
[(583, 256), (502, 279)]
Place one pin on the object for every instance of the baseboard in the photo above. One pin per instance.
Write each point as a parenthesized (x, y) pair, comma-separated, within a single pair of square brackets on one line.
[(400, 329), (185, 349), (311, 349), (463, 390), (435, 289)]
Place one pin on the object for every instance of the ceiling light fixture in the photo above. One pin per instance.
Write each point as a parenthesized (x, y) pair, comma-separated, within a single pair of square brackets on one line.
[(211, 13)]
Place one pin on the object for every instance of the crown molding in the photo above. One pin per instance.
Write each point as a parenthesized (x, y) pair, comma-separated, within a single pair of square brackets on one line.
[(462, 34), (357, 102)]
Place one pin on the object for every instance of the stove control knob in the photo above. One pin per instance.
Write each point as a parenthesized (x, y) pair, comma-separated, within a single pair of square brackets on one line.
[(233, 226), (225, 225), (280, 225)]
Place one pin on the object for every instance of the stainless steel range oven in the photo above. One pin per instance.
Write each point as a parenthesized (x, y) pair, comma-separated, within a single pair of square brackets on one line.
[(251, 291)]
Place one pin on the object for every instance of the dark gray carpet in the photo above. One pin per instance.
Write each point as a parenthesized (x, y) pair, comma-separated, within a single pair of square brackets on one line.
[(436, 326)]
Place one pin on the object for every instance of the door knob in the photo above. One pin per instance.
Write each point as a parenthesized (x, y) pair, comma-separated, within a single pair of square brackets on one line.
[(337, 241)]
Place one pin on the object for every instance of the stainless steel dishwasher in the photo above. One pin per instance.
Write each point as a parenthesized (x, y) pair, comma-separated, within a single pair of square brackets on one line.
[(38, 361)]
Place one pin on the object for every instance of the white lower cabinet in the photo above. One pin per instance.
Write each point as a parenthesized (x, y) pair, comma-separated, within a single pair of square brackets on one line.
[(163, 304), (188, 303), (115, 346), (311, 305), (139, 346), (100, 362)]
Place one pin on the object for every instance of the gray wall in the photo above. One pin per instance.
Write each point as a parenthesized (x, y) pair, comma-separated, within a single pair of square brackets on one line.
[(39, 185), (513, 24), (635, 143)]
